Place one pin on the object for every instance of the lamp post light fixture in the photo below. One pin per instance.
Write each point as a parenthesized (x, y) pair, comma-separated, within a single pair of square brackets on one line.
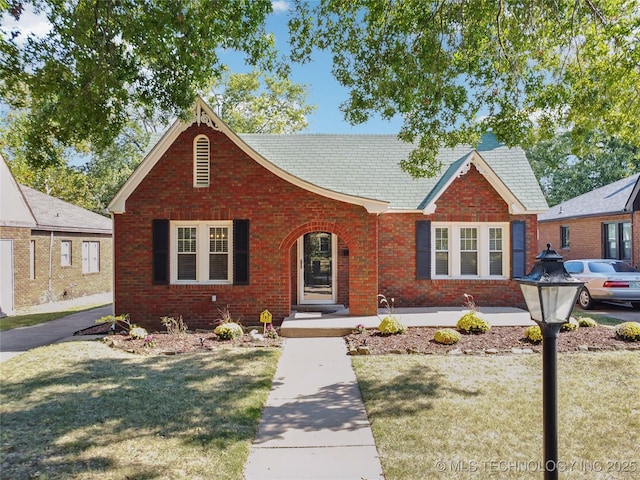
[(550, 293)]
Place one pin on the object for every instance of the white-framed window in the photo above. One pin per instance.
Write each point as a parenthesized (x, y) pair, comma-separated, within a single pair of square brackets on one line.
[(90, 257), (201, 252), (470, 250), (65, 253), (442, 251), (201, 161)]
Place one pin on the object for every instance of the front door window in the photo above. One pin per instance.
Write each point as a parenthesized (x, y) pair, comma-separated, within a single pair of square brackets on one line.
[(317, 268)]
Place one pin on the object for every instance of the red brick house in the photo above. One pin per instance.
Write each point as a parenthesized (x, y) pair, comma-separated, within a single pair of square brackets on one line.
[(50, 250), (603, 223), (212, 219)]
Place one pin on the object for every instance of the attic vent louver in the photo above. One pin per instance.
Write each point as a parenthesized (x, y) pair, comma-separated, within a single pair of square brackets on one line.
[(201, 161)]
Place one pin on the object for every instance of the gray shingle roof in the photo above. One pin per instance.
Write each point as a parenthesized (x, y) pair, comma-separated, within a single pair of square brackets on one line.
[(612, 198), (54, 214), (369, 166)]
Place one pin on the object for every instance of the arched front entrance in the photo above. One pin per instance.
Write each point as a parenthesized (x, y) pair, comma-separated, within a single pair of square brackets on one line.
[(317, 268)]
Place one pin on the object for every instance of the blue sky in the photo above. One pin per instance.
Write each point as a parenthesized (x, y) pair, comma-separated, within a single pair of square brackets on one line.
[(324, 90)]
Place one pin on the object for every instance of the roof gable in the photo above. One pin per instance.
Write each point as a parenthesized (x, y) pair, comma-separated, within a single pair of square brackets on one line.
[(14, 209), (617, 197), (361, 169), (203, 114)]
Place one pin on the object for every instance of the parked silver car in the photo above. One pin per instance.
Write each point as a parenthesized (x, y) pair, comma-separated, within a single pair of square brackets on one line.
[(605, 280)]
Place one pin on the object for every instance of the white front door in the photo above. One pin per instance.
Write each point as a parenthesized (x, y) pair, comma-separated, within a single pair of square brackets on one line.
[(317, 270), (6, 278)]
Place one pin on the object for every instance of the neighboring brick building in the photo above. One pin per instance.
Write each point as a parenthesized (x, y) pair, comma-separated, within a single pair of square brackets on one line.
[(50, 250), (603, 223), (212, 219)]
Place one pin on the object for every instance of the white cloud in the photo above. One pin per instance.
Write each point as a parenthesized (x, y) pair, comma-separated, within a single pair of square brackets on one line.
[(280, 6), (30, 23)]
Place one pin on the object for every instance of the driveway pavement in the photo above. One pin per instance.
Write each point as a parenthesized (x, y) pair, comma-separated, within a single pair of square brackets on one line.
[(18, 340), (615, 310)]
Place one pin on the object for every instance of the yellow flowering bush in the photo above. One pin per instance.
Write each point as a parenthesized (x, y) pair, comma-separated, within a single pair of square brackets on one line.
[(228, 331), (570, 326), (629, 331), (390, 325), (472, 323), (587, 322), (447, 336), (137, 333), (533, 334)]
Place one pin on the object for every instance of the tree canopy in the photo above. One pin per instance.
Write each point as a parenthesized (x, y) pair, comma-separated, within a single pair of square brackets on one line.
[(259, 103), (563, 175), (101, 60), (452, 70)]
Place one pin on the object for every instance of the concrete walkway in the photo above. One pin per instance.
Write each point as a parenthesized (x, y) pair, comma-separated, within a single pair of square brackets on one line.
[(314, 425), (18, 340)]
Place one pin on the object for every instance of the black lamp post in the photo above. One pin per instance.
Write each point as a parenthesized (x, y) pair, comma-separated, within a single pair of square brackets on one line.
[(550, 293)]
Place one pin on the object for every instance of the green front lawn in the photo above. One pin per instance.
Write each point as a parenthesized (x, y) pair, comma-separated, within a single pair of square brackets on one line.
[(463, 417), (82, 410)]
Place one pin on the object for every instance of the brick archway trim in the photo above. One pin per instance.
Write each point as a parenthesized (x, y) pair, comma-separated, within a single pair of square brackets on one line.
[(317, 226)]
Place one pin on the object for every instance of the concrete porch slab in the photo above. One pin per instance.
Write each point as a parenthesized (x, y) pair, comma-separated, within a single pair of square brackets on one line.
[(338, 324)]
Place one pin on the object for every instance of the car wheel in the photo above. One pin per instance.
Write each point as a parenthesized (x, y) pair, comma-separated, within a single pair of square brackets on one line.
[(585, 300), (636, 305)]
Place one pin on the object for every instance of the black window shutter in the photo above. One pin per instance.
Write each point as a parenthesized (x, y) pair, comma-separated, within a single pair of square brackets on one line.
[(423, 249), (160, 252), (241, 252), (519, 248)]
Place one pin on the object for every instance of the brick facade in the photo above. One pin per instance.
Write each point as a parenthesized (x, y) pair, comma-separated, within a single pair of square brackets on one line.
[(53, 282), (586, 235), (376, 253)]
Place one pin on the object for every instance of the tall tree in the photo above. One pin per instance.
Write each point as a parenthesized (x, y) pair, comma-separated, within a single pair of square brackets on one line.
[(563, 175), (100, 60), (454, 69), (260, 103)]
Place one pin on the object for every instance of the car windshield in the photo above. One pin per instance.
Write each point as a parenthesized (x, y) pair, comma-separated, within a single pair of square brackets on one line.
[(610, 267)]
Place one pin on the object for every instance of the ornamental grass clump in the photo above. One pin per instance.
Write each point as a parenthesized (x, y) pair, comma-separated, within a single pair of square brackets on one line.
[(472, 323), (390, 325), (629, 331), (570, 326), (587, 322), (533, 334), (447, 336)]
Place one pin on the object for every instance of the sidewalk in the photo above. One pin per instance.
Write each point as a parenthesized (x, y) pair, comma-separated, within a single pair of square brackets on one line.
[(18, 340), (314, 425)]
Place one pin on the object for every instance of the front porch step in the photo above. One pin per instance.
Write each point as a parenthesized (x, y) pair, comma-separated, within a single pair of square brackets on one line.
[(323, 308), (317, 321)]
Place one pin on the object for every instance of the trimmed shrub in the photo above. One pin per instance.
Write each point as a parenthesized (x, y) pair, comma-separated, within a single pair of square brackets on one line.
[(447, 336), (629, 331), (473, 323), (570, 326), (587, 322), (228, 331), (533, 334), (390, 325), (137, 333)]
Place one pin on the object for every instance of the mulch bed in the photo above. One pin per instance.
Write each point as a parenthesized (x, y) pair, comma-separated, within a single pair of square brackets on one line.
[(165, 344), (498, 340), (416, 340)]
